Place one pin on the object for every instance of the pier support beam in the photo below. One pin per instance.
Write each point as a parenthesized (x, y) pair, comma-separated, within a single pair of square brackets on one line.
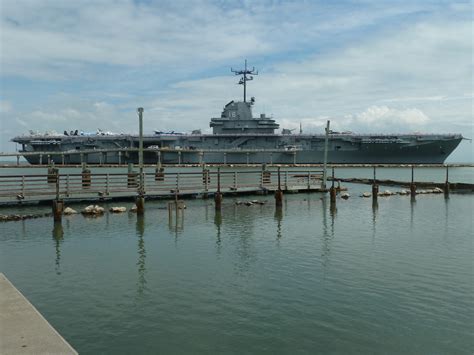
[(140, 203), (332, 192), (446, 183), (279, 193), (412, 184), (218, 195), (58, 208), (86, 176), (52, 175), (131, 176), (159, 173), (375, 187)]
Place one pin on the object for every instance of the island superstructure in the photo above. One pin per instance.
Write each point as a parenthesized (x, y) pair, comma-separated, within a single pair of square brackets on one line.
[(238, 138)]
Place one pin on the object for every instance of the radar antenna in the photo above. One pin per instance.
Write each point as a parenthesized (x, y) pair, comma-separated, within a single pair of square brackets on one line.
[(243, 80)]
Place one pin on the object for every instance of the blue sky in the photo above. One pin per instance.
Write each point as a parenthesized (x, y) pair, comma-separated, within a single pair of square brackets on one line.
[(368, 66)]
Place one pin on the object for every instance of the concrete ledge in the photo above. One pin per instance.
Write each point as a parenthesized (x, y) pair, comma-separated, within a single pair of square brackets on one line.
[(23, 330)]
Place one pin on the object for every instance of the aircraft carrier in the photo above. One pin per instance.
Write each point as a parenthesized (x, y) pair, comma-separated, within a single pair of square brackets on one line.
[(238, 138)]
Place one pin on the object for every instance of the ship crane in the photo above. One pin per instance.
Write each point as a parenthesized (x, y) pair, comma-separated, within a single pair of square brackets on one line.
[(243, 80)]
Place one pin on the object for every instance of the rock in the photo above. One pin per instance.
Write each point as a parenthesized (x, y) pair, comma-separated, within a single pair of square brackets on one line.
[(404, 192), (248, 203), (366, 194), (345, 195), (118, 209), (133, 208), (93, 210), (437, 190), (69, 211)]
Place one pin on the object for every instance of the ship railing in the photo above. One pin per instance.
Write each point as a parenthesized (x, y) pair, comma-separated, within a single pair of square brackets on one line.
[(39, 187)]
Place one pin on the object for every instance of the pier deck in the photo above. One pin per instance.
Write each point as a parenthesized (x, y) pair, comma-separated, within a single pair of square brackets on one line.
[(100, 186), (23, 329)]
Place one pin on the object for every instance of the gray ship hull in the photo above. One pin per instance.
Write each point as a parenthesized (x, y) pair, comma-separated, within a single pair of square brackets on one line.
[(239, 138), (428, 151)]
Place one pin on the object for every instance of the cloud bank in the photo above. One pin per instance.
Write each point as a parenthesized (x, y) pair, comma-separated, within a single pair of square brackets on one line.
[(368, 66)]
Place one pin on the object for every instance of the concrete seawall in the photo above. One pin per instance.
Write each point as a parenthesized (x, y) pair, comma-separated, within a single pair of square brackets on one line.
[(23, 330)]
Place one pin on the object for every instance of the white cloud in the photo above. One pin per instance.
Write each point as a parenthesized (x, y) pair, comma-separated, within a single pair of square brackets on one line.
[(395, 66)]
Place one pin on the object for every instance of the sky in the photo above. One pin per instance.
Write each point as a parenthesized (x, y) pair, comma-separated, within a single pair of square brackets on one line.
[(367, 66)]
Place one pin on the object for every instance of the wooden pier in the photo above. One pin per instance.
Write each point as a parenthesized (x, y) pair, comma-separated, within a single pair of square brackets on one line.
[(104, 186)]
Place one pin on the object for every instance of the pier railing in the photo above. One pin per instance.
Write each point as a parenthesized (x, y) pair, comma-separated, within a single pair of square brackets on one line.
[(86, 185)]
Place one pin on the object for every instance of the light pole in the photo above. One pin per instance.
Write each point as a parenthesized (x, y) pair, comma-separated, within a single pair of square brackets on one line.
[(325, 161), (140, 147), (141, 191)]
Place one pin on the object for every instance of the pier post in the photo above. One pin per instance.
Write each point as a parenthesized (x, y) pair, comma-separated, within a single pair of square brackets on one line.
[(131, 176), (412, 184), (140, 203), (279, 193), (332, 191), (52, 174), (58, 208), (159, 173), (446, 184), (86, 176), (266, 176), (206, 179), (119, 157), (375, 187), (218, 195), (325, 161)]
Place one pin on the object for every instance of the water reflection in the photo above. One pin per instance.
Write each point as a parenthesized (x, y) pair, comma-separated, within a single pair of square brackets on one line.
[(140, 228), (446, 214), (58, 236), (278, 216), (412, 209), (328, 231), (218, 224), (375, 209), (176, 220)]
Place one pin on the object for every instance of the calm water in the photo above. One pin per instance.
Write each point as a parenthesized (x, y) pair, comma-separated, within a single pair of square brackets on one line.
[(395, 278)]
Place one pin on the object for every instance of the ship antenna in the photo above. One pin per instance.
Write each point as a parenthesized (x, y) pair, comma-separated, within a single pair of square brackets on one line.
[(243, 80)]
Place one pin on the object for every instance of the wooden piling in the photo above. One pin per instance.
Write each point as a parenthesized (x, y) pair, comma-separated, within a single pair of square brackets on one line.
[(52, 175), (446, 183), (86, 176), (140, 203), (332, 191), (218, 195), (58, 208), (375, 187), (131, 177), (159, 173), (279, 193), (412, 184)]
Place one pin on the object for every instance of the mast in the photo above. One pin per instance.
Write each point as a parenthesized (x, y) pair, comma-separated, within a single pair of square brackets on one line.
[(243, 80)]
